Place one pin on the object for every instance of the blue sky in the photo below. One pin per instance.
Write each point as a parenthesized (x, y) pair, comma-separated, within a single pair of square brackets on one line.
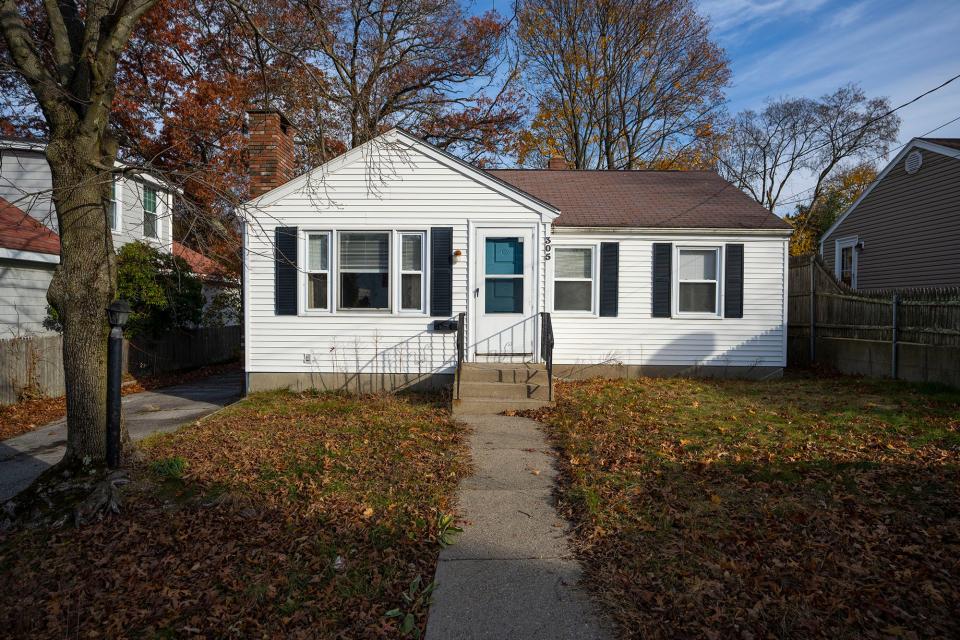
[(892, 48)]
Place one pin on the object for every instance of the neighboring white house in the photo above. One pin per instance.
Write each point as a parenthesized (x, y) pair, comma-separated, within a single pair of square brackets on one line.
[(142, 204), (141, 211), (29, 252), (353, 271)]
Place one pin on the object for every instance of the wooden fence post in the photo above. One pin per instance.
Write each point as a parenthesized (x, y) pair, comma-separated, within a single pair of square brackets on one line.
[(813, 310), (895, 303)]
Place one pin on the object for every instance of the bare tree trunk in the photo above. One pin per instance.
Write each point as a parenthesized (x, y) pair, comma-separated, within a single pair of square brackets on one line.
[(81, 289)]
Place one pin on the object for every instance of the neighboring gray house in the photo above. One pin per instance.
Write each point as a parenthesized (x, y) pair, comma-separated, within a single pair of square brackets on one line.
[(904, 231), (141, 208)]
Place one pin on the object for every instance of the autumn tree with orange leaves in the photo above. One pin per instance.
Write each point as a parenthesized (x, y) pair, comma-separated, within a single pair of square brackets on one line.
[(837, 193), (620, 84)]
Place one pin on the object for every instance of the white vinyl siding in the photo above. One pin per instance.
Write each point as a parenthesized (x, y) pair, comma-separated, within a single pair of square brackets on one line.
[(413, 193), (25, 181), (634, 337), (409, 192), (23, 290)]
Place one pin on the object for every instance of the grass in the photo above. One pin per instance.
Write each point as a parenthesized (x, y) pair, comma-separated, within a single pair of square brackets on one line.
[(804, 507), (293, 515)]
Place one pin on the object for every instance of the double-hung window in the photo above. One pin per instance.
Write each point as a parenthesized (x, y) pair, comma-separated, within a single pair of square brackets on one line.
[(116, 189), (150, 212), (318, 271), (698, 278), (364, 268), (411, 271), (573, 279)]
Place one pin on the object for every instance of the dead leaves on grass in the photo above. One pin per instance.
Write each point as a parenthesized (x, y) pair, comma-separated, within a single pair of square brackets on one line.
[(295, 516), (783, 509)]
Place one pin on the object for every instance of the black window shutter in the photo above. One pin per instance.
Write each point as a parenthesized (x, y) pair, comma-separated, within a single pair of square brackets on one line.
[(285, 271), (441, 271), (733, 282), (609, 277), (662, 281)]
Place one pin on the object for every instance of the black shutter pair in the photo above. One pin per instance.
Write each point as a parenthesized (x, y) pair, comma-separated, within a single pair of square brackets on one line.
[(663, 280), (441, 272)]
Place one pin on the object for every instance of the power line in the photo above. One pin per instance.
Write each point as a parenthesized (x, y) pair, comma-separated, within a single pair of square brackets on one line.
[(730, 185), (861, 127), (794, 199)]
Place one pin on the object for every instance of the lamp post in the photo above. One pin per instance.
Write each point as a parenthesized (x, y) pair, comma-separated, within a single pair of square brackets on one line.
[(117, 314)]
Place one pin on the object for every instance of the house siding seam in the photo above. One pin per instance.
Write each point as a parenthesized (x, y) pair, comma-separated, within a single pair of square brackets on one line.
[(910, 227)]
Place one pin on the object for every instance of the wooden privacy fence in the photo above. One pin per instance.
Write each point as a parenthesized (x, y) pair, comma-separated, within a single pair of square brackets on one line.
[(911, 334), (32, 366)]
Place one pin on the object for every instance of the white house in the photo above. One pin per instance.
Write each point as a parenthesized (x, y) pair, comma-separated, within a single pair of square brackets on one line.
[(141, 211), (141, 206), (354, 271)]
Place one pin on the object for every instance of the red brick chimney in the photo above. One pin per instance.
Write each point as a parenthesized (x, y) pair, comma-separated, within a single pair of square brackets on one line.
[(270, 148), (557, 163)]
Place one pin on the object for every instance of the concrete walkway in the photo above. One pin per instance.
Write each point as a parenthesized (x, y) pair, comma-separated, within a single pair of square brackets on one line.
[(511, 574), (25, 457)]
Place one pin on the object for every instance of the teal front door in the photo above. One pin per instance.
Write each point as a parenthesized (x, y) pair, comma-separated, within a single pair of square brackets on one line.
[(503, 280), (504, 299)]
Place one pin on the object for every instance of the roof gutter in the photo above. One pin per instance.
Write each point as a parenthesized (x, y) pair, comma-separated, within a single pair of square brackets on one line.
[(29, 256), (673, 231)]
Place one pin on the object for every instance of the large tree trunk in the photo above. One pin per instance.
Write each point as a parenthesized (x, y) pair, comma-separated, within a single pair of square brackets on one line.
[(82, 288)]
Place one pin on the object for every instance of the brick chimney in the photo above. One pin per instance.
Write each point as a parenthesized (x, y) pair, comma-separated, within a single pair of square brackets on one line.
[(557, 163), (270, 148)]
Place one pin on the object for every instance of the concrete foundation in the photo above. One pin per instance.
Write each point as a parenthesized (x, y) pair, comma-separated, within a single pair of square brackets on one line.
[(873, 358), (603, 370), (349, 382), (388, 382)]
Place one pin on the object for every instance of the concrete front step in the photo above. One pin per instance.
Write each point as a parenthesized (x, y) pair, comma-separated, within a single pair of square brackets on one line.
[(493, 406), (503, 390), (523, 373)]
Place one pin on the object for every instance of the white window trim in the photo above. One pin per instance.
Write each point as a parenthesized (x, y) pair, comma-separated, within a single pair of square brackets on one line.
[(840, 244), (307, 271), (118, 205), (400, 272), (594, 283), (333, 265), (675, 276)]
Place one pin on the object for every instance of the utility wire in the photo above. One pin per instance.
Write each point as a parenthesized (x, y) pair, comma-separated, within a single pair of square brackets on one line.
[(794, 199)]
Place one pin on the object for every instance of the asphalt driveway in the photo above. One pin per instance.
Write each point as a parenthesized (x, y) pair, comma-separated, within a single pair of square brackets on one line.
[(25, 457)]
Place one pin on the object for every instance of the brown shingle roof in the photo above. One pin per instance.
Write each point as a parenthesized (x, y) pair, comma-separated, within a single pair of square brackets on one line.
[(20, 232), (648, 199)]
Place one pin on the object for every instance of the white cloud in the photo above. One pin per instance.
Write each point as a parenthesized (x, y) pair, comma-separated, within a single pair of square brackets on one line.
[(890, 48), (738, 15)]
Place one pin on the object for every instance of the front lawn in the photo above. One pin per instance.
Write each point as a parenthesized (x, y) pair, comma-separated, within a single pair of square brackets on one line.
[(286, 515), (805, 507)]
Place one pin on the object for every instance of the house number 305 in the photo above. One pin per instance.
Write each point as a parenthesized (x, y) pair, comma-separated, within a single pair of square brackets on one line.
[(546, 248)]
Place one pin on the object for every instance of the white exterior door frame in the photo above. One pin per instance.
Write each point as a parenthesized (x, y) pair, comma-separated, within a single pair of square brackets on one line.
[(508, 333)]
